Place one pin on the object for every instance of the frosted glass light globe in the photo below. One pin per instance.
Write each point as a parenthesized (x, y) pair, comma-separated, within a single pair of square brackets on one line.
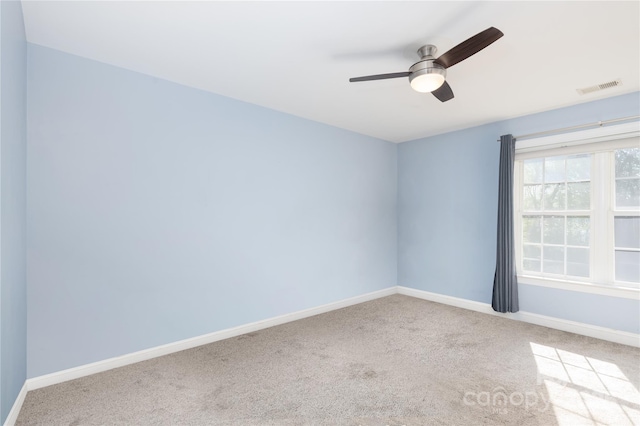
[(427, 82)]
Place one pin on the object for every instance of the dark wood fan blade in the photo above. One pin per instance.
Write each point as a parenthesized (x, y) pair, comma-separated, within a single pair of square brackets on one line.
[(444, 92), (380, 76), (469, 47)]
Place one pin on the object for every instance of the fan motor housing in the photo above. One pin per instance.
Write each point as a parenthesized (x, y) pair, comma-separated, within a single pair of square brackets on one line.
[(427, 66)]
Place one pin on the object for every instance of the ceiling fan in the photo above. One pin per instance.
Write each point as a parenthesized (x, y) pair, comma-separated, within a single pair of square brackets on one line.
[(428, 74)]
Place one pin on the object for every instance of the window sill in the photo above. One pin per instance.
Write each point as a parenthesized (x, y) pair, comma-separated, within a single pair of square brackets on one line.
[(606, 290)]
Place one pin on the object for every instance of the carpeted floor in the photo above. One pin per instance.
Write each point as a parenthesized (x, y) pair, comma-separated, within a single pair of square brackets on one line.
[(392, 361)]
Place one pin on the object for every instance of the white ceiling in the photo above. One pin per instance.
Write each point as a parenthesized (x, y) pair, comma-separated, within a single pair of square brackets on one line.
[(297, 57)]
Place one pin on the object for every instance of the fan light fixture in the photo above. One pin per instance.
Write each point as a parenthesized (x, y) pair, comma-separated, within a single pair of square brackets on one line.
[(427, 80)]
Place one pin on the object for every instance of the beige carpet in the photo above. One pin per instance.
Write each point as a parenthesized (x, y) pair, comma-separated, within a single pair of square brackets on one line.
[(392, 361)]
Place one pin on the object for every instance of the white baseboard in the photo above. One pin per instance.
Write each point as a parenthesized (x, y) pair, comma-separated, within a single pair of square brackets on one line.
[(603, 333), (132, 358), (17, 405), (472, 305)]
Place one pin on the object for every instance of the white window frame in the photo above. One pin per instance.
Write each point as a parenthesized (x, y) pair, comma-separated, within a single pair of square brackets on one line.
[(599, 141)]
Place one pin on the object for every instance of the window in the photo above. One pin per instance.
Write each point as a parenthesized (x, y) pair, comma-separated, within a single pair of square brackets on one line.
[(627, 226), (577, 213), (556, 216)]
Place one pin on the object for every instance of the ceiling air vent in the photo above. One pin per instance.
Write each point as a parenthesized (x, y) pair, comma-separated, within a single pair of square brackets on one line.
[(598, 87)]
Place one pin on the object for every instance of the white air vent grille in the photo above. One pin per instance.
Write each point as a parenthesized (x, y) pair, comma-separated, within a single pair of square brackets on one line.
[(598, 87)]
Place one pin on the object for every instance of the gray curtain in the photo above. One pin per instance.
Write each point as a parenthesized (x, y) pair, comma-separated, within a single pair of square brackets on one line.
[(505, 284)]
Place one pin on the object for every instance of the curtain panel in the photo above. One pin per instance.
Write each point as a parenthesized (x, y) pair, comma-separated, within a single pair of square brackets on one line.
[(505, 283)]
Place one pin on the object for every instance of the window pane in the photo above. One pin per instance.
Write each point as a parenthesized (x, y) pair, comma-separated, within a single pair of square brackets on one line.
[(579, 196), (532, 197), (579, 167), (531, 229), (531, 251), (577, 262), (533, 171), (553, 260), (627, 192), (627, 232), (578, 228), (531, 258), (553, 230), (628, 266), (554, 169), (554, 195), (531, 265), (628, 162)]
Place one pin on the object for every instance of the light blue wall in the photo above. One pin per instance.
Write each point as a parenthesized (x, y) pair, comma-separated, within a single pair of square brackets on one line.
[(605, 311), (447, 207), (158, 212), (13, 147)]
